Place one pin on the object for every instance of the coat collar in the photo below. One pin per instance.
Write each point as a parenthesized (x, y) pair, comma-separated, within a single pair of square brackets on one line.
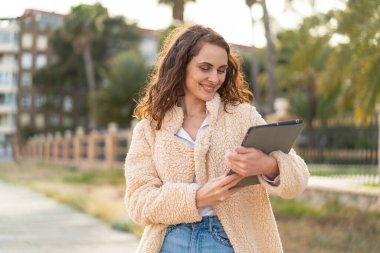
[(173, 119)]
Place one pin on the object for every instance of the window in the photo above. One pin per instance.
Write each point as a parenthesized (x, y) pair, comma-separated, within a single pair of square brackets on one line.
[(27, 41), (8, 78), (27, 23), (41, 61), (8, 99), (26, 101), (24, 119), (26, 60), (5, 37), (67, 104), (54, 119), (3, 120), (67, 122), (40, 121), (42, 42), (46, 21), (26, 79), (55, 101), (40, 100)]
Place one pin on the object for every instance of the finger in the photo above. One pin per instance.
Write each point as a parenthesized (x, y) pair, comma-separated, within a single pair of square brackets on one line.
[(237, 166), (244, 150), (228, 179), (233, 182), (232, 157), (235, 190)]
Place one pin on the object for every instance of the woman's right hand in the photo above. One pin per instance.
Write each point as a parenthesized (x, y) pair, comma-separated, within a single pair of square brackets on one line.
[(217, 190)]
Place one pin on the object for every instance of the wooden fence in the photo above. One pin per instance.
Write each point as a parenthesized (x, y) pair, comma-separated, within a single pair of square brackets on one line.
[(109, 148), (96, 149)]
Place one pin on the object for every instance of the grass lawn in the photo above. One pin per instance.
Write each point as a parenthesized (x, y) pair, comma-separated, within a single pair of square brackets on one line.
[(302, 228)]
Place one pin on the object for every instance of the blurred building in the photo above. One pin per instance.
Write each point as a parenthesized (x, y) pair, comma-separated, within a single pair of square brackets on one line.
[(35, 53), (9, 47), (148, 45)]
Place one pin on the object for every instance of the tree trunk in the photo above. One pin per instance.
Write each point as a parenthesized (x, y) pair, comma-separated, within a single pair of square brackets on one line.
[(255, 71), (378, 146), (178, 10), (312, 101), (90, 76), (270, 59)]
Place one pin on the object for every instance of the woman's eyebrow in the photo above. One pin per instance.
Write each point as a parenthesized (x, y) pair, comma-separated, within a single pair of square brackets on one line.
[(209, 64)]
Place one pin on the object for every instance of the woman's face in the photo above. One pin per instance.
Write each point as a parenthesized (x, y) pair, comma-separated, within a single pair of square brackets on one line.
[(206, 72)]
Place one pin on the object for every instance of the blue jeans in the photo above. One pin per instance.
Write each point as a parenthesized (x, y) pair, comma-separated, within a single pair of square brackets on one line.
[(206, 236)]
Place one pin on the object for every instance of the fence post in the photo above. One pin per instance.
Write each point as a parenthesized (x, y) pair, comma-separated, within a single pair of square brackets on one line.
[(48, 145), (110, 144), (91, 146), (378, 141), (56, 146), (79, 135), (66, 147)]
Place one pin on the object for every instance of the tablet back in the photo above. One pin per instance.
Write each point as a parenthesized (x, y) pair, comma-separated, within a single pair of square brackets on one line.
[(276, 136)]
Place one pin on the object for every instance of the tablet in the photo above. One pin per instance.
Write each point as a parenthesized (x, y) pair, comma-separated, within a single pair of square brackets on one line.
[(271, 137)]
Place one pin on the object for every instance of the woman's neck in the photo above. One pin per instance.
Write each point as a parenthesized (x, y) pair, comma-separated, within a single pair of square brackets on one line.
[(192, 108)]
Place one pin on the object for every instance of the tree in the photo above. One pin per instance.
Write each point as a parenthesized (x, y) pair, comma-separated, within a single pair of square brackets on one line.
[(269, 59), (353, 67), (178, 8), (116, 101), (83, 45), (83, 26), (254, 86), (302, 56)]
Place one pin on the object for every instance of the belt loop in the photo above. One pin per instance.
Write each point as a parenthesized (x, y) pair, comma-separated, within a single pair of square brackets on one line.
[(210, 223)]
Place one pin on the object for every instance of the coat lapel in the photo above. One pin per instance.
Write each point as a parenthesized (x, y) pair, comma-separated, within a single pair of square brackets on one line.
[(173, 121), (202, 144)]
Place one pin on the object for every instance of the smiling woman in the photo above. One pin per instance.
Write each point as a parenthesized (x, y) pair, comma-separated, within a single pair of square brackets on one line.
[(194, 114)]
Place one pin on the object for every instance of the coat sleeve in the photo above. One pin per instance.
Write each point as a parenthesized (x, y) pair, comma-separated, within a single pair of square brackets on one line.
[(294, 174), (148, 199)]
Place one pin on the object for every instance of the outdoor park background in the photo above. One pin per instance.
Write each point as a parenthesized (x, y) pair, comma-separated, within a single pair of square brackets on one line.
[(77, 76)]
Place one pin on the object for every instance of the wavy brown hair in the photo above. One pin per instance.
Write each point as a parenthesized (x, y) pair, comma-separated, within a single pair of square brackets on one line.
[(166, 83)]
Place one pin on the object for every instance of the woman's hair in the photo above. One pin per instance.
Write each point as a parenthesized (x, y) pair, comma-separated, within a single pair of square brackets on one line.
[(166, 83)]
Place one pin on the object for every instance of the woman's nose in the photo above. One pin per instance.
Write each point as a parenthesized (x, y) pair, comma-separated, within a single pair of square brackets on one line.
[(213, 77)]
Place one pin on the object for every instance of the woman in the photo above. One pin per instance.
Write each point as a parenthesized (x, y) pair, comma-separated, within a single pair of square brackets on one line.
[(194, 114)]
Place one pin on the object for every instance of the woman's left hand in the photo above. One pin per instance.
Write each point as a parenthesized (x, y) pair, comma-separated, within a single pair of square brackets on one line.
[(251, 161)]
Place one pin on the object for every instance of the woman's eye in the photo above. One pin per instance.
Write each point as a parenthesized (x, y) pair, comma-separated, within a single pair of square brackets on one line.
[(221, 71), (205, 69)]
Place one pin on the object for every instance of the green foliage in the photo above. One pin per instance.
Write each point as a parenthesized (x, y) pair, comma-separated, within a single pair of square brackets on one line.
[(116, 100), (86, 28), (164, 34), (353, 67), (113, 177), (129, 226), (301, 58), (27, 132), (293, 208)]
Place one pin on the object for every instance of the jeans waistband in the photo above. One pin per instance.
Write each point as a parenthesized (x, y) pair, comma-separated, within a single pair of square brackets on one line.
[(207, 222)]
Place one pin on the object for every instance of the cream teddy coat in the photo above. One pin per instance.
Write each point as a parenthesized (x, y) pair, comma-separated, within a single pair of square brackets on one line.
[(160, 170)]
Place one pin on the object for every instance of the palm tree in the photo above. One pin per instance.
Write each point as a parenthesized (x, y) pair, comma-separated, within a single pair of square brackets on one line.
[(178, 7), (270, 58), (84, 25), (358, 59), (254, 86)]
